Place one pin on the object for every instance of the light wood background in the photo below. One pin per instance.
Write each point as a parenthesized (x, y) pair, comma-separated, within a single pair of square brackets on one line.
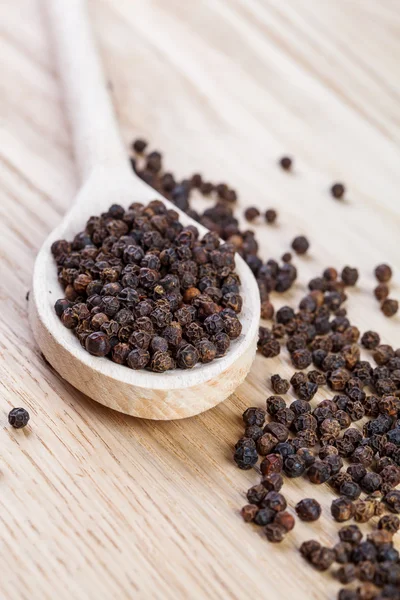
[(97, 505)]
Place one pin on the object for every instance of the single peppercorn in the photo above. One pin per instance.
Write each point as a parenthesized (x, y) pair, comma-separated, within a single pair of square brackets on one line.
[(383, 273), (251, 213), (349, 276), (272, 482), (370, 340), (319, 472), (338, 190), (264, 516), (286, 163), (322, 559), (249, 512), (308, 510), (364, 510), (300, 244), (271, 216), (139, 145), (267, 310), (285, 520), (389, 307), (389, 523), (256, 494), (272, 463), (350, 489), (275, 532), (246, 456), (392, 501), (342, 509), (381, 292), (98, 344), (371, 482), (254, 416), (294, 466), (18, 418)]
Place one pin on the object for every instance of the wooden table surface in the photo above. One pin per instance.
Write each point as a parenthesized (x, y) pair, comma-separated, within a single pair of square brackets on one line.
[(98, 505)]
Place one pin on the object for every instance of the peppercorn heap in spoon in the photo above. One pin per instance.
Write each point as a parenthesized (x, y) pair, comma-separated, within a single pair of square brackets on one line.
[(118, 270)]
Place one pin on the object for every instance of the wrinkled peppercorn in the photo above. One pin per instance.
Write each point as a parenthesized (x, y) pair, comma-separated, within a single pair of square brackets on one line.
[(319, 472), (389, 523), (308, 509), (264, 516), (18, 418), (249, 512), (275, 532), (392, 501), (294, 466), (322, 559), (389, 307), (246, 456), (342, 509)]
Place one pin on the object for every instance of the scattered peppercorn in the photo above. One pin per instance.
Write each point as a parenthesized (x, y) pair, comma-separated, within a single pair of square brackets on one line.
[(139, 145), (342, 509), (18, 418), (251, 213), (381, 292), (349, 276), (383, 273), (338, 190), (300, 244), (275, 532), (308, 509), (270, 216), (249, 511), (286, 163), (389, 307)]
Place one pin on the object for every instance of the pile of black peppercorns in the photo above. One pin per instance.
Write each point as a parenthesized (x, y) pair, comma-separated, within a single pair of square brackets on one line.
[(302, 439), (220, 218), (374, 561), (147, 292)]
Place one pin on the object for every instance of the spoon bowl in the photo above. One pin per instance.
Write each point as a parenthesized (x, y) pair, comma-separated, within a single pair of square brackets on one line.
[(108, 179)]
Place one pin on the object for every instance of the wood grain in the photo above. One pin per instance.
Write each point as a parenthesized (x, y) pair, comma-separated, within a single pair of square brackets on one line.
[(99, 505)]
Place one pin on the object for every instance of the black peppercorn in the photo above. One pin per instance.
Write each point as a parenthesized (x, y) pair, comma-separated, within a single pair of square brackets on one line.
[(18, 418), (286, 163), (308, 510), (342, 509), (246, 456), (338, 190), (300, 244)]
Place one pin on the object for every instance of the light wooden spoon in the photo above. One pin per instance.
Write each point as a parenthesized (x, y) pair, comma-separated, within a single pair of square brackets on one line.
[(107, 178)]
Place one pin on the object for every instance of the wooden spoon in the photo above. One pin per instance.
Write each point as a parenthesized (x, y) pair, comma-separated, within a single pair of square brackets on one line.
[(107, 178)]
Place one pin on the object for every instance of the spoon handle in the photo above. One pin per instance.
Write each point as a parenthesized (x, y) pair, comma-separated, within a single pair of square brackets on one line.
[(96, 137)]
